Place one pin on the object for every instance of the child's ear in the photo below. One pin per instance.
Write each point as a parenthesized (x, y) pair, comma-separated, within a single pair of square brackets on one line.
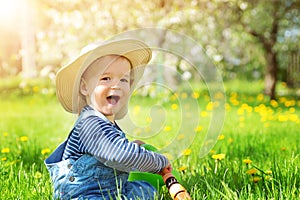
[(83, 87)]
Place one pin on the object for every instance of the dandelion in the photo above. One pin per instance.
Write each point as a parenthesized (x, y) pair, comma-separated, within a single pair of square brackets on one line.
[(38, 175), (174, 106), (182, 168), (252, 171), (167, 128), (187, 152), (209, 106), (3, 159), (195, 95), (45, 151), (256, 179), (136, 110), (184, 95), (260, 97), (203, 114), (198, 128), (35, 89), (5, 134), (247, 161), (24, 139), (269, 172), (180, 136), (148, 119), (283, 148), (5, 150), (274, 103), (221, 137), (219, 156)]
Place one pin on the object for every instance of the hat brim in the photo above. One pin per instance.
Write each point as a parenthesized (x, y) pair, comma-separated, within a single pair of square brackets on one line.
[(68, 77)]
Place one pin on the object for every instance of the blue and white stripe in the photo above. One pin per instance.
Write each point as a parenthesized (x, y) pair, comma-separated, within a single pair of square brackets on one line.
[(95, 135)]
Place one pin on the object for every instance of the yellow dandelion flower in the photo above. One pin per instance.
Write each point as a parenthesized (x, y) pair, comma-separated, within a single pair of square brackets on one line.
[(219, 95), (230, 140), (148, 119), (45, 151), (283, 148), (221, 137), (195, 95), (203, 114), (187, 152), (227, 106), (209, 106), (252, 171), (184, 95), (260, 97), (24, 139), (256, 179), (268, 178), (247, 161), (219, 156), (38, 175), (292, 110), (36, 89), (274, 103), (269, 172), (5, 150), (198, 128), (242, 119), (283, 118), (136, 110), (182, 168), (3, 159), (174, 106), (240, 111), (5, 134), (180, 136), (167, 128)]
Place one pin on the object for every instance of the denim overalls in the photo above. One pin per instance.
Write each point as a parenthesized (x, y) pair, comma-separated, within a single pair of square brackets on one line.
[(88, 178)]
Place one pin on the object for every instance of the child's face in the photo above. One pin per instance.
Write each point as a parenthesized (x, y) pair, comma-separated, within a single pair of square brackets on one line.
[(107, 91)]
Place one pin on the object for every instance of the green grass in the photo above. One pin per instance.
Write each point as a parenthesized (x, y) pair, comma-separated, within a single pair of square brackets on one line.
[(267, 133)]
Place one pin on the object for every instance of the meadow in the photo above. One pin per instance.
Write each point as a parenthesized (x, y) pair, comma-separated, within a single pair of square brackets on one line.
[(256, 155)]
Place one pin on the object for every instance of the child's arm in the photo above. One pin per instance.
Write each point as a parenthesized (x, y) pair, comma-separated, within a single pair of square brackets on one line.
[(102, 140)]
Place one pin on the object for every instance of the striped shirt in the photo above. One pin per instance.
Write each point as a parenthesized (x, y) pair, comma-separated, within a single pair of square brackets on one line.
[(97, 136)]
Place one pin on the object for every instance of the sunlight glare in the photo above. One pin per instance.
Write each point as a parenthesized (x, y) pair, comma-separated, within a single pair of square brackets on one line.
[(9, 10)]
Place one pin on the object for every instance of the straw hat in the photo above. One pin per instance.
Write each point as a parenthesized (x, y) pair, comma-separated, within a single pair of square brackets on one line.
[(68, 77)]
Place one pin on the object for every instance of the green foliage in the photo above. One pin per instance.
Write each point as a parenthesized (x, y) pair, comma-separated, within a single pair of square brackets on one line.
[(256, 155)]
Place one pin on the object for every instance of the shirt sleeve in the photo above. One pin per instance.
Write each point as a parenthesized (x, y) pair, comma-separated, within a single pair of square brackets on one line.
[(104, 141)]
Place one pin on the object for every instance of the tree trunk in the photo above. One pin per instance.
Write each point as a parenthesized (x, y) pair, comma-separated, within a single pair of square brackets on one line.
[(271, 74)]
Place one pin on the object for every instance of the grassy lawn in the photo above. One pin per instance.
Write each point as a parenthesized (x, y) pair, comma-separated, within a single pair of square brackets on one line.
[(256, 155)]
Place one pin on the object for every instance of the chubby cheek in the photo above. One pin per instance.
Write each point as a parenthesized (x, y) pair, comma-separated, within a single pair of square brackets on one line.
[(98, 96)]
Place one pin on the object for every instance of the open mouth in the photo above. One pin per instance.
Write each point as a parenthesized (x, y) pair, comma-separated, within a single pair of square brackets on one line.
[(113, 99)]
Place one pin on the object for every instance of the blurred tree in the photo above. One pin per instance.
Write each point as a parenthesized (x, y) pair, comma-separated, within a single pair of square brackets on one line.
[(266, 21), (275, 13), (241, 33)]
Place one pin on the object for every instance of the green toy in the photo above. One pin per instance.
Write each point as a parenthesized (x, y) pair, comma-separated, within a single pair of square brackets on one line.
[(154, 179)]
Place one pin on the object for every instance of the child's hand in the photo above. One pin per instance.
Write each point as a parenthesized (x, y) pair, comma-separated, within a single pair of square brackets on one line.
[(166, 170), (139, 142)]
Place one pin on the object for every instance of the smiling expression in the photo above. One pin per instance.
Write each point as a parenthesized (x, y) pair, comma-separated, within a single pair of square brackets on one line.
[(106, 84)]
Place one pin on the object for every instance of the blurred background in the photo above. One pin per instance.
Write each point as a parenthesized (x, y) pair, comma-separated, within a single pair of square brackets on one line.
[(249, 40)]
